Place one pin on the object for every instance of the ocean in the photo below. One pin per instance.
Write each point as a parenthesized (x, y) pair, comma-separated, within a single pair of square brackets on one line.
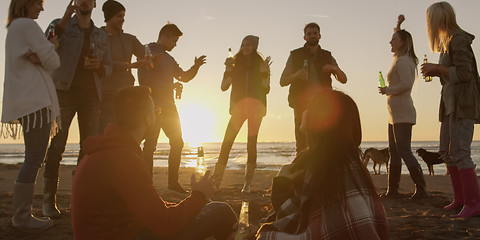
[(270, 156)]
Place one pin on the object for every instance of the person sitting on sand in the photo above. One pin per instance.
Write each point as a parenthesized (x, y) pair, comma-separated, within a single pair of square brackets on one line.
[(327, 193), (113, 196)]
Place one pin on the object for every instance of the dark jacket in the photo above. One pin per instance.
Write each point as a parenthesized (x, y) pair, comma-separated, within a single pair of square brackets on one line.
[(247, 81), (463, 79), (122, 47), (299, 94)]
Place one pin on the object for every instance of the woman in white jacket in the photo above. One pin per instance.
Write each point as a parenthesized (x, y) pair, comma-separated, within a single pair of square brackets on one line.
[(402, 114), (29, 101)]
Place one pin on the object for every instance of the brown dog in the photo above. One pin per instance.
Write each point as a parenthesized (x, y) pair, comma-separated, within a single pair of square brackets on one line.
[(378, 157), (430, 158)]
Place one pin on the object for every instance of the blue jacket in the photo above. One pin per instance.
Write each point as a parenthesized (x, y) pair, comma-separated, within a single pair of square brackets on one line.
[(69, 50)]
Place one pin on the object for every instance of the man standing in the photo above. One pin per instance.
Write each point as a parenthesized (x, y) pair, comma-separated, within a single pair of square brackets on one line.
[(308, 71), (160, 80), (122, 47), (85, 58), (113, 196)]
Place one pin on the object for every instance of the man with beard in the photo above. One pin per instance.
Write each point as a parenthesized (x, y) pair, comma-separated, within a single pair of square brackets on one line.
[(113, 196), (85, 59), (308, 71)]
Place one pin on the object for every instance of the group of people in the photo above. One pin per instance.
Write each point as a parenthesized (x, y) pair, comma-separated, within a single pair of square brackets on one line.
[(459, 107), (326, 193)]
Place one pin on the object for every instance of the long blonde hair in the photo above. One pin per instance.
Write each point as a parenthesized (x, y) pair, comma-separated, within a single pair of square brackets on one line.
[(18, 9), (441, 25)]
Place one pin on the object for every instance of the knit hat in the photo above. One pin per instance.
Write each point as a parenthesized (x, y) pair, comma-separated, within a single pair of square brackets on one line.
[(252, 40), (110, 8)]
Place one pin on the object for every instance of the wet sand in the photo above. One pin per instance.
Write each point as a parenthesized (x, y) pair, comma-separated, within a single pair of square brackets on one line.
[(407, 219)]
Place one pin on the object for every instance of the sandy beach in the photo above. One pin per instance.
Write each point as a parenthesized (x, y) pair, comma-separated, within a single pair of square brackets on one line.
[(407, 219)]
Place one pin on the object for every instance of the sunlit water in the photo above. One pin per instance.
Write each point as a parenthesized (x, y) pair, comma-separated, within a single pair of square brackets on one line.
[(270, 156)]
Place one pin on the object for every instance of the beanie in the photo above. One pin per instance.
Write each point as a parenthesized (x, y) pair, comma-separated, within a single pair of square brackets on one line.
[(110, 8)]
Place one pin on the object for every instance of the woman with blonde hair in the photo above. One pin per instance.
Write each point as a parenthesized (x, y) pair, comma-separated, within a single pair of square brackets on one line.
[(402, 114), (29, 101), (459, 103)]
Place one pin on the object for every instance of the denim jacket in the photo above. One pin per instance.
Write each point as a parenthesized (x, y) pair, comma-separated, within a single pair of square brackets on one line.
[(69, 49)]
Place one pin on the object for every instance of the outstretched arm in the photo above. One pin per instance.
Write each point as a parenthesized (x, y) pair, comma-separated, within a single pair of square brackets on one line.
[(186, 76), (400, 20)]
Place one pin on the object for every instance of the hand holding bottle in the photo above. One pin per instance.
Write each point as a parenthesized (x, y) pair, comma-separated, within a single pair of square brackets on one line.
[(229, 64), (205, 185)]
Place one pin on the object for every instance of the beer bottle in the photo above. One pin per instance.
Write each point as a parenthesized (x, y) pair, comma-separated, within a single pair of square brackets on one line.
[(201, 167), (90, 53), (305, 66), (51, 31), (178, 90), (243, 223), (426, 78), (381, 81), (148, 56)]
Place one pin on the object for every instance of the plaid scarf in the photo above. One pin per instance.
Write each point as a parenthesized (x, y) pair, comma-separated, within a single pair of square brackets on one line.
[(359, 213)]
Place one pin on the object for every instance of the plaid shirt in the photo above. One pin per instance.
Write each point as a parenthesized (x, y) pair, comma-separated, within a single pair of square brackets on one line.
[(362, 217)]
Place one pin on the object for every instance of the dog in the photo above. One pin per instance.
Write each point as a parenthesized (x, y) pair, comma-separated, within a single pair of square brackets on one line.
[(378, 157), (430, 158)]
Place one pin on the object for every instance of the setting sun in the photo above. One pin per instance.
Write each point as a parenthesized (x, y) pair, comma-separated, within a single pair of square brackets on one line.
[(198, 122)]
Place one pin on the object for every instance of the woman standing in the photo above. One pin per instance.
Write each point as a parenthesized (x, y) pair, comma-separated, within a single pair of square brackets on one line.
[(29, 100), (402, 114), (249, 75), (459, 103)]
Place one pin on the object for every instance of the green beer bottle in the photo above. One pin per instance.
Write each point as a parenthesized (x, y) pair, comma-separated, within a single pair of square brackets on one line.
[(381, 81)]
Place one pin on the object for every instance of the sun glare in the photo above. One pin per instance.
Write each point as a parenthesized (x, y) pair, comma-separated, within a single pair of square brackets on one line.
[(198, 123)]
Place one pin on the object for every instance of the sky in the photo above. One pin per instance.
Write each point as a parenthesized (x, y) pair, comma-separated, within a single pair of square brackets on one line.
[(356, 32)]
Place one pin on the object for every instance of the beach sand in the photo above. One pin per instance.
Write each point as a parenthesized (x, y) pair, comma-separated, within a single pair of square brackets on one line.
[(407, 219)]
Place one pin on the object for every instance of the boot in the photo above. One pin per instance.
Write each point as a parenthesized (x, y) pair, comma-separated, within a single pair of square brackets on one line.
[(249, 170), (457, 189), (394, 173), (471, 193), (22, 209), (416, 174), (50, 209), (218, 174)]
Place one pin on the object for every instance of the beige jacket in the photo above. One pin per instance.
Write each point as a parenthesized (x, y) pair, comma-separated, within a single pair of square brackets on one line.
[(400, 82)]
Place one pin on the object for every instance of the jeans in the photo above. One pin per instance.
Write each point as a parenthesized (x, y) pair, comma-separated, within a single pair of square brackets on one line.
[(215, 219), (36, 143), (87, 106), (399, 144), (300, 137), (169, 121), (233, 127), (455, 140)]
